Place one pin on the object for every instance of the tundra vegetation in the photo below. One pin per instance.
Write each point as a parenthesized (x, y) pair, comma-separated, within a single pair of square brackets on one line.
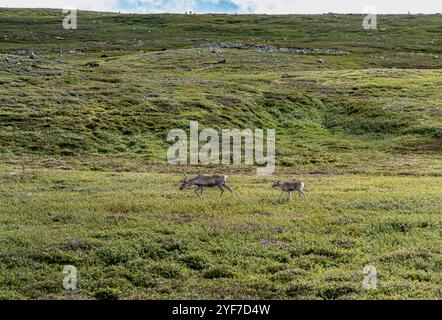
[(84, 116)]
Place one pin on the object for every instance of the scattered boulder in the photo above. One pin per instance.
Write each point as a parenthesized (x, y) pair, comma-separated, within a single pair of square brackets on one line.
[(15, 226), (222, 61), (104, 55), (32, 55), (321, 61), (92, 64)]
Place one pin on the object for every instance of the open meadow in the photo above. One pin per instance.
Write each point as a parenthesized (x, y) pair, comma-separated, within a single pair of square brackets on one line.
[(136, 236), (84, 178)]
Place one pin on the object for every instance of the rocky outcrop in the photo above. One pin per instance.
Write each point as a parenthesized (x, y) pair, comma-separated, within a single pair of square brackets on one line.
[(270, 48)]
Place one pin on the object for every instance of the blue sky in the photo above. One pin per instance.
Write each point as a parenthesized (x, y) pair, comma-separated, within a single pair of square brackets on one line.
[(236, 6), (200, 6)]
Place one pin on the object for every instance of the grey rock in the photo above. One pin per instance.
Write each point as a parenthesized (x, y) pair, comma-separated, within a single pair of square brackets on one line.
[(92, 64), (270, 48)]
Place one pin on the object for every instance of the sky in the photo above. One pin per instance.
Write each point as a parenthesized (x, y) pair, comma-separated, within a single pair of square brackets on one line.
[(237, 6)]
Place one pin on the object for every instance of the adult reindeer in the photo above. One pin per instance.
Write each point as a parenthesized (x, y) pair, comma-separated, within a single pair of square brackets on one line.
[(202, 181)]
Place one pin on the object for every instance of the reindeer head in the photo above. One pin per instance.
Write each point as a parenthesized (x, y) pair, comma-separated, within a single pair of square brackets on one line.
[(276, 185), (184, 183)]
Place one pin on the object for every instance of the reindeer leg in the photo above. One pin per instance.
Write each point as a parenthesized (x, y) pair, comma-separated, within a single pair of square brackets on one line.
[(222, 190), (290, 196), (202, 188), (196, 191), (282, 194), (225, 185)]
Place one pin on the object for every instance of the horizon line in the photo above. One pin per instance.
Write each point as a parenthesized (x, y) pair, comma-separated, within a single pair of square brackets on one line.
[(216, 13)]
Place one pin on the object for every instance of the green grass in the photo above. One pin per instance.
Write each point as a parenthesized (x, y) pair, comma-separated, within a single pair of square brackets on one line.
[(84, 178), (135, 235)]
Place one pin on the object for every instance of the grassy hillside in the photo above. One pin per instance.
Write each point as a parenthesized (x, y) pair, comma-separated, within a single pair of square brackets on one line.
[(329, 109)]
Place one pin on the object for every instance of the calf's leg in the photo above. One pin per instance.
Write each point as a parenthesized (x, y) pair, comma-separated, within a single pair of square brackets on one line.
[(221, 189)]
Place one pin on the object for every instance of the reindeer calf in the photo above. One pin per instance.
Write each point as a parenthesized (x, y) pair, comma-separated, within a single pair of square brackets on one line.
[(289, 187)]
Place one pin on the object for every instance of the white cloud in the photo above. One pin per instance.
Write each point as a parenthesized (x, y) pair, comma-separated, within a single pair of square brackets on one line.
[(342, 6), (156, 6)]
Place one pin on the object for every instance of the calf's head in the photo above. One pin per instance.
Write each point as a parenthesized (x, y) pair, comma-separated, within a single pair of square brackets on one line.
[(276, 185)]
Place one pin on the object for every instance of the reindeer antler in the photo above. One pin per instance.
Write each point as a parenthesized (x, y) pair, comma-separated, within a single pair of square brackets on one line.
[(185, 176)]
